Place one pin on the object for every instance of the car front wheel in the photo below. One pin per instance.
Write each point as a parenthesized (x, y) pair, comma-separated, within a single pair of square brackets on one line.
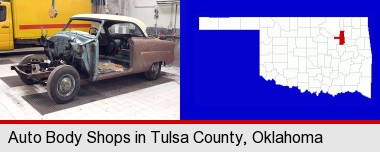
[(63, 84)]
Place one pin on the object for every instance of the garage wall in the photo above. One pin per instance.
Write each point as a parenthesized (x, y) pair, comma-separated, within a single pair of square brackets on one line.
[(144, 10)]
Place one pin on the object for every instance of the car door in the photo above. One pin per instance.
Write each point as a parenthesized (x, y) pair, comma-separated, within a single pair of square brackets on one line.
[(4, 27)]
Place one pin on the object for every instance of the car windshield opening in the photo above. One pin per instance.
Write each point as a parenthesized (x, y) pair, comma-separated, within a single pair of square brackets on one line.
[(3, 13), (83, 25)]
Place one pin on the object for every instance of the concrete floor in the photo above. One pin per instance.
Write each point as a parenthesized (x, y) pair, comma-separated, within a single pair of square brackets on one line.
[(161, 101)]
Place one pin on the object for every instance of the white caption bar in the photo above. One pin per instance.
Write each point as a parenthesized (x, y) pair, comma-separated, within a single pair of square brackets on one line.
[(191, 137)]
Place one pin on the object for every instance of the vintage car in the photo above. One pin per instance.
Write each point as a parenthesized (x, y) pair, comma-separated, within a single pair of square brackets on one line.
[(114, 46)]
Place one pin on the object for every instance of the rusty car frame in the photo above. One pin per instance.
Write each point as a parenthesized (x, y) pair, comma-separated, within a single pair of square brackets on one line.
[(99, 54)]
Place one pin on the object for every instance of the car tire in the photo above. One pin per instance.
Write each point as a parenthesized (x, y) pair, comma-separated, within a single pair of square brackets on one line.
[(25, 60), (31, 57), (154, 71), (63, 84)]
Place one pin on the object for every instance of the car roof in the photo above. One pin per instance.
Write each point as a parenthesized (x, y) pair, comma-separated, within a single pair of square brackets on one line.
[(109, 17)]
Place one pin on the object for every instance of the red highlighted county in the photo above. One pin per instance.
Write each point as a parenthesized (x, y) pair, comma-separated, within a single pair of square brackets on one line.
[(341, 38)]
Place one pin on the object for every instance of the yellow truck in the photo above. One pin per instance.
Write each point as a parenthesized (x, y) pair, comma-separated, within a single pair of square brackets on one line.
[(21, 21)]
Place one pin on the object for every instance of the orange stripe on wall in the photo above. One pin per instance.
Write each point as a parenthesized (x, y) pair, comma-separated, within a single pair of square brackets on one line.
[(47, 26)]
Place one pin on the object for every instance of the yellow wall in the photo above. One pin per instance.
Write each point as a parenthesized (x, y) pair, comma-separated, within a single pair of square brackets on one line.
[(30, 15)]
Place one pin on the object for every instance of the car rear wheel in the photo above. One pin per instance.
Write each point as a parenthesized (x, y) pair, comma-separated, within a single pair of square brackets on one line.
[(154, 71), (63, 84), (25, 60)]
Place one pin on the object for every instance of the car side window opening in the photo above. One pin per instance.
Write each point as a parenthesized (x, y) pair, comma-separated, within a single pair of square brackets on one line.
[(125, 28), (3, 13)]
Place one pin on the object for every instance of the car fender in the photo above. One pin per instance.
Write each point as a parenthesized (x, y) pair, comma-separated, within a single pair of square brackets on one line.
[(147, 51)]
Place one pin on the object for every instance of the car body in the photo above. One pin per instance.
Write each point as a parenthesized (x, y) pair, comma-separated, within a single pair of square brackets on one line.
[(104, 52)]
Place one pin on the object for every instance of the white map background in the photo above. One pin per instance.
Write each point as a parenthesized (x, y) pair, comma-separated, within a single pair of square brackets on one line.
[(302, 52)]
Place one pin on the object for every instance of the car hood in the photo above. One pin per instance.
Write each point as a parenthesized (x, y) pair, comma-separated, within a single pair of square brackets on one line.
[(79, 37)]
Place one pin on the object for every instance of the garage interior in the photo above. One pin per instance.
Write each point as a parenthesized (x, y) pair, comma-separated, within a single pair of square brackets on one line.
[(123, 98)]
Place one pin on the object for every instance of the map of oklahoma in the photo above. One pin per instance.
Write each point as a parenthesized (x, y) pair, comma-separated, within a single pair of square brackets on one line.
[(316, 54)]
